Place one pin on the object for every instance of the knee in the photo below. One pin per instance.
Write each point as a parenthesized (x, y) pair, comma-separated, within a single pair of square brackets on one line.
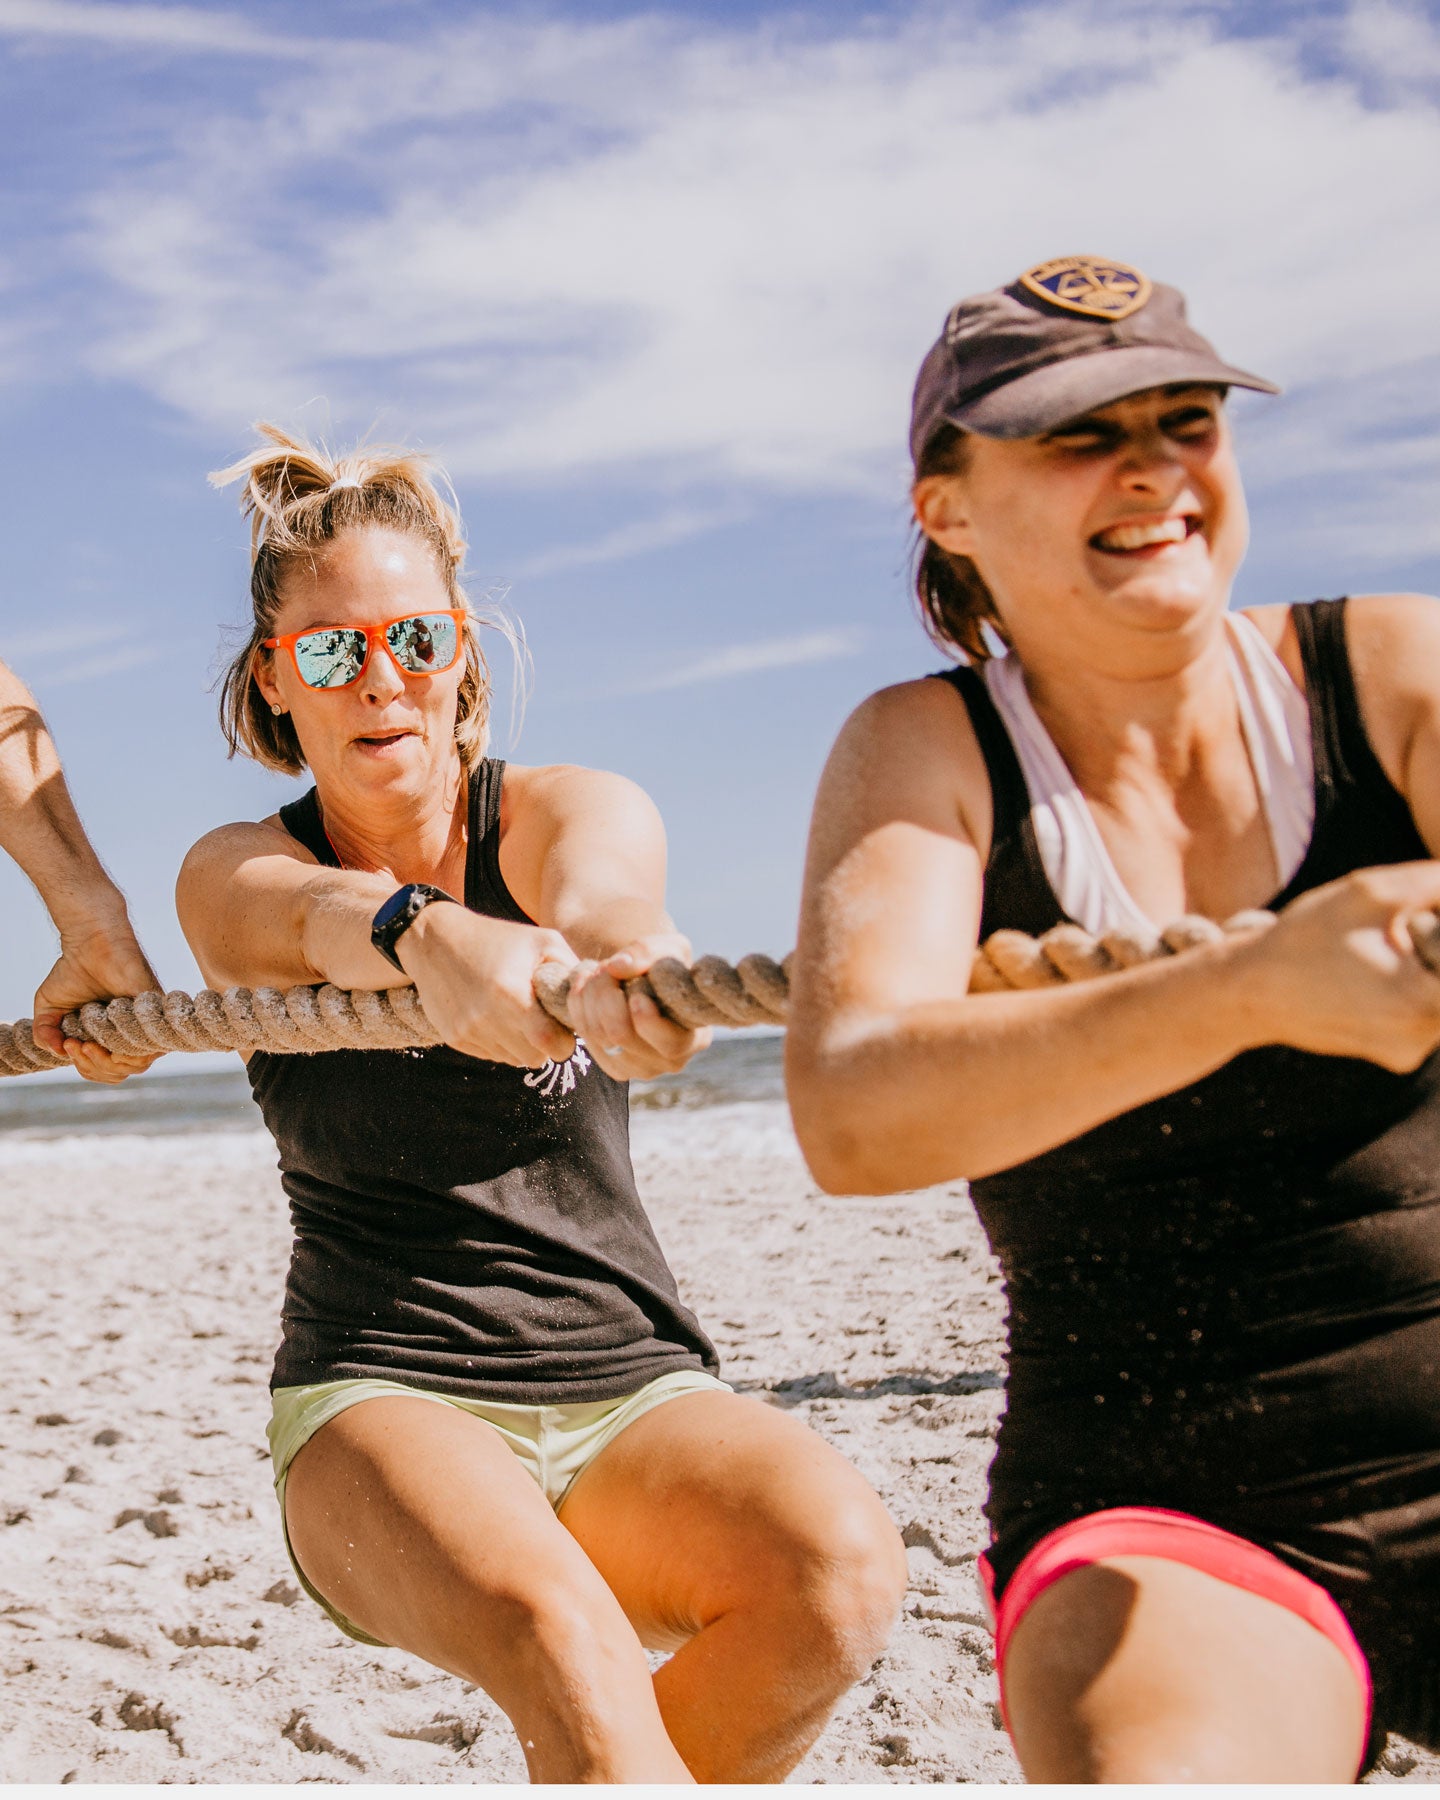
[(548, 1627), (846, 1585)]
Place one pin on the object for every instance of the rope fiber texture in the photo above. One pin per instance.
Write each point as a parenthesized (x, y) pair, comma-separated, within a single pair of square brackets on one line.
[(755, 991)]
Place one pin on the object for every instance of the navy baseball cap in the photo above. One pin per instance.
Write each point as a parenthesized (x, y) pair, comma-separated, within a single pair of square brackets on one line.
[(1065, 337)]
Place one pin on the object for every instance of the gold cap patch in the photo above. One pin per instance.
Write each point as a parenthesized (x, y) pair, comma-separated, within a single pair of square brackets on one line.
[(1091, 285)]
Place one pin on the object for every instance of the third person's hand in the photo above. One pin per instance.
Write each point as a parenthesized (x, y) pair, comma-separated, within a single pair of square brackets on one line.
[(101, 960)]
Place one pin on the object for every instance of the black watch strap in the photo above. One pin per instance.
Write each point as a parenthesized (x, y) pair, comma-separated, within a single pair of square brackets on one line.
[(399, 913)]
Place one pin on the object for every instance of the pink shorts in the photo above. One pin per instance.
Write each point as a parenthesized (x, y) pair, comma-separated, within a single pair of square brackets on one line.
[(1151, 1531)]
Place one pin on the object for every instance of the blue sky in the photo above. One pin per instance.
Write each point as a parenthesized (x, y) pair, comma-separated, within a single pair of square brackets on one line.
[(654, 285)]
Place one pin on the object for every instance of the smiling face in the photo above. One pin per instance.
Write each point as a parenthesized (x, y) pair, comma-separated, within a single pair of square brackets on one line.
[(389, 735), (1114, 537)]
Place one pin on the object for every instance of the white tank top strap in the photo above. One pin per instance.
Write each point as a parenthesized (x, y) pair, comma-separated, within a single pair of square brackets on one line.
[(1085, 880), (1274, 719)]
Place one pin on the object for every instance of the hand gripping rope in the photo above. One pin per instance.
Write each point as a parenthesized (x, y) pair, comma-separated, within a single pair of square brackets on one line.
[(755, 991)]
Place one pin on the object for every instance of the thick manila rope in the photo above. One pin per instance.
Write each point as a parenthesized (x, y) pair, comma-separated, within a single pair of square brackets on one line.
[(756, 991), (309, 1019)]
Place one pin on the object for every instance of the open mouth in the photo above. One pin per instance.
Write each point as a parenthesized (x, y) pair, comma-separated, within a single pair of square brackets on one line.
[(1147, 534), (382, 740)]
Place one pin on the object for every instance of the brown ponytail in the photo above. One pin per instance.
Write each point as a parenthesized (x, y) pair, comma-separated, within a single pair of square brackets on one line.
[(956, 607)]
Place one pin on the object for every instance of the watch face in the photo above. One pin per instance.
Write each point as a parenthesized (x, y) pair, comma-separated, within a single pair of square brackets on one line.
[(398, 904)]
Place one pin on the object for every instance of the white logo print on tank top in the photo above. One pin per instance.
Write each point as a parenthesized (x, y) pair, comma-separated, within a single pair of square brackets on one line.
[(562, 1076), (1275, 721)]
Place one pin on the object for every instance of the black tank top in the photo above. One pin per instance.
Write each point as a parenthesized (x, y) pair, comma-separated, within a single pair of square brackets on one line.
[(1227, 1301), (464, 1225)]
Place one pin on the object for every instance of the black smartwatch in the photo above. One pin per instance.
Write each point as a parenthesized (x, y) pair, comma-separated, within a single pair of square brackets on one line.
[(399, 913)]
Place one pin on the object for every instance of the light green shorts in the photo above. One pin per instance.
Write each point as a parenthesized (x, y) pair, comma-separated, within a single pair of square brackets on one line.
[(555, 1443)]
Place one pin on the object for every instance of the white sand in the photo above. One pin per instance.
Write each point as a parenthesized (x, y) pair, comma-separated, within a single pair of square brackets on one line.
[(150, 1629)]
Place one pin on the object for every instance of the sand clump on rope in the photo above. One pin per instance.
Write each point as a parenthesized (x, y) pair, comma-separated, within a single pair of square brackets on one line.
[(150, 1627)]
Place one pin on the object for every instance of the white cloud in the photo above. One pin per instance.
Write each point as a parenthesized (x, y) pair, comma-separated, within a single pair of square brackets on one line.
[(181, 28), (1395, 44), (1353, 466), (752, 659), (51, 656), (35, 640), (638, 538), (682, 256), (91, 668)]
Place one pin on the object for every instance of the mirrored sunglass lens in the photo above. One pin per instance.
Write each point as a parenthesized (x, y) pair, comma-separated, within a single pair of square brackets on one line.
[(425, 644), (328, 659)]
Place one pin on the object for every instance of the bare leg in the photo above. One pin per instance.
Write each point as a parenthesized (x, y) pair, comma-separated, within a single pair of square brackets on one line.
[(1139, 1669), (417, 1522), (727, 1529)]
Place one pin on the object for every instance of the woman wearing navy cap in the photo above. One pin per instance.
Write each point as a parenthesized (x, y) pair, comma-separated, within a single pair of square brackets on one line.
[(1212, 1182)]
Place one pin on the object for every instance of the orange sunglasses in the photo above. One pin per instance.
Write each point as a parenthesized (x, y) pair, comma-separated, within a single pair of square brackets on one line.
[(334, 656)]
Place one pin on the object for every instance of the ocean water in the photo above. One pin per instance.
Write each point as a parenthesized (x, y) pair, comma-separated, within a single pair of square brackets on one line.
[(176, 1100)]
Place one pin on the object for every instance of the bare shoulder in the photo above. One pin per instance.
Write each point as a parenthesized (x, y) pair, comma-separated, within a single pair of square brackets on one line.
[(927, 709), (564, 785), (228, 847), (235, 887), (1393, 642), (898, 846), (226, 861), (910, 751), (1401, 630), (565, 823), (549, 798), (1376, 626), (568, 832)]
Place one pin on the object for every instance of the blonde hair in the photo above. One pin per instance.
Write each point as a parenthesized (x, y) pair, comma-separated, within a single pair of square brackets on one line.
[(300, 497)]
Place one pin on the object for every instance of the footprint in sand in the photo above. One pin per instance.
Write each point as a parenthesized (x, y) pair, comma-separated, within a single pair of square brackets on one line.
[(303, 1735), (156, 1521), (199, 1578)]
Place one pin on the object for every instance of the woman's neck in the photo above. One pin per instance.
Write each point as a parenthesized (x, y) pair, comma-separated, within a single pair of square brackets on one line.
[(1162, 725), (424, 840), (1161, 759)]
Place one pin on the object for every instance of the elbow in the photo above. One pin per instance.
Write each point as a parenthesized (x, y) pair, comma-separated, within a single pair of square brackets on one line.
[(849, 1161), (859, 1136), (833, 1164), (844, 1145)]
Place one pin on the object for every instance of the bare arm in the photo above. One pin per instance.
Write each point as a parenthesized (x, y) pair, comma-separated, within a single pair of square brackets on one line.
[(898, 1078), (582, 852), (588, 850), (39, 827), (259, 911), (38, 822)]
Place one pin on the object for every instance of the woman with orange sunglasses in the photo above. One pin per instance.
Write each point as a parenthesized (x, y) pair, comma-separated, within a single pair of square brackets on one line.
[(500, 1438)]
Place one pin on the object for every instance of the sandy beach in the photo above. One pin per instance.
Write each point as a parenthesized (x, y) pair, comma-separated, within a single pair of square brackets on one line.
[(150, 1627)]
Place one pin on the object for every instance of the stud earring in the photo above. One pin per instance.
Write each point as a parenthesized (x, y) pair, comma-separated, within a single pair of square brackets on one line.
[(277, 710)]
